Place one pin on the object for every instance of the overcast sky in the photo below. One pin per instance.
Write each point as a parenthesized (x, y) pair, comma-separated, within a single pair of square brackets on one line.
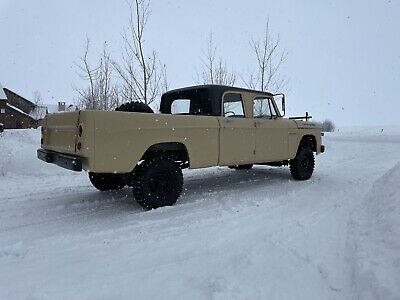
[(343, 56)]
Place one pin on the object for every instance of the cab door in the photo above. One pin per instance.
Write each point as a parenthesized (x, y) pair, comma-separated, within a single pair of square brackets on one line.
[(237, 133), (271, 131)]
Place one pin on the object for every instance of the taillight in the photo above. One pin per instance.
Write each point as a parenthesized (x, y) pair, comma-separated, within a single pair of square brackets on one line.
[(42, 135), (77, 142)]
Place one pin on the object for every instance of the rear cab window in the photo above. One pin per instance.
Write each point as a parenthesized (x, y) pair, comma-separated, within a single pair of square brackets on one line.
[(180, 107), (191, 102)]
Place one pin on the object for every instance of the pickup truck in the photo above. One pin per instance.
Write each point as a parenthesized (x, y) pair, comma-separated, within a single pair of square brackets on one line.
[(197, 127)]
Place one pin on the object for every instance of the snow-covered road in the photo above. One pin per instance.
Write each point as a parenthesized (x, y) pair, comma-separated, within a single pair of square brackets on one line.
[(254, 234)]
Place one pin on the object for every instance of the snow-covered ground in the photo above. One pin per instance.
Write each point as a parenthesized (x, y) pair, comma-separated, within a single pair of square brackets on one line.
[(233, 235)]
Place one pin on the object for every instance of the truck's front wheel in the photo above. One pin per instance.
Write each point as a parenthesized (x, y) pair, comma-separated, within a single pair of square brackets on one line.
[(106, 182), (157, 182), (302, 166)]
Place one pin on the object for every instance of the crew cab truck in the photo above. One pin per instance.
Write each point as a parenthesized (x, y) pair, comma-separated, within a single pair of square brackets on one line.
[(198, 127)]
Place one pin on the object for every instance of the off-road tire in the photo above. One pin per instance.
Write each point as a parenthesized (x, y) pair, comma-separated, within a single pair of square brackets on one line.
[(157, 182), (302, 166), (241, 167), (106, 182), (135, 106)]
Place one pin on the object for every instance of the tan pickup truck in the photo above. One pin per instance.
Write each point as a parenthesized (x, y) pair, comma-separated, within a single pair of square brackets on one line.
[(198, 127)]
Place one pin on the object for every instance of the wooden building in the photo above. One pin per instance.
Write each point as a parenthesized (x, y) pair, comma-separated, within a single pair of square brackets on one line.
[(16, 112)]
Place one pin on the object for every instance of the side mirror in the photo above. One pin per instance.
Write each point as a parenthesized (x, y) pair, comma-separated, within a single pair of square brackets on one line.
[(283, 106)]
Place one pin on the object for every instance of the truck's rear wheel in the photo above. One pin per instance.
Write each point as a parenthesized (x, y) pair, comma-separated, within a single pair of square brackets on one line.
[(302, 166), (106, 182), (135, 106), (157, 182), (241, 167)]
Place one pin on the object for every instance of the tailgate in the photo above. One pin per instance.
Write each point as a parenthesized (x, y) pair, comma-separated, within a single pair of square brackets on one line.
[(59, 132)]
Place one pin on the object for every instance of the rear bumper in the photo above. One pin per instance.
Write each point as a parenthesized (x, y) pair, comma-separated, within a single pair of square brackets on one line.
[(65, 161)]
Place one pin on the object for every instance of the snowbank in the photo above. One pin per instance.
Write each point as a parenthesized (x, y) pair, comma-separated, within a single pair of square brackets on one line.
[(18, 154), (376, 245), (17, 148)]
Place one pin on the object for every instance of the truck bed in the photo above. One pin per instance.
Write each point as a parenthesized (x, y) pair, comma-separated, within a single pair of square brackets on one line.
[(115, 141)]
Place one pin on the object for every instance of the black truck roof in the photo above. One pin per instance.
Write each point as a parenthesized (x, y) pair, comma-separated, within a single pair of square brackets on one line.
[(206, 99)]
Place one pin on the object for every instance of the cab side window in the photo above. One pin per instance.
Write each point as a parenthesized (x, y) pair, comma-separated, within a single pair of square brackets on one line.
[(233, 105), (263, 108), (180, 107)]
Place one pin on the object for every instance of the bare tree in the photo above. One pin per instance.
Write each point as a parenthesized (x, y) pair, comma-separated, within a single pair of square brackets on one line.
[(215, 70), (141, 71), (328, 126), (165, 82), (37, 98), (87, 95), (269, 59), (107, 91), (39, 110), (101, 93)]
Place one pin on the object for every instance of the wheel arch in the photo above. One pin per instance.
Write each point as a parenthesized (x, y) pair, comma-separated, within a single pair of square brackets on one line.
[(309, 141), (177, 150)]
